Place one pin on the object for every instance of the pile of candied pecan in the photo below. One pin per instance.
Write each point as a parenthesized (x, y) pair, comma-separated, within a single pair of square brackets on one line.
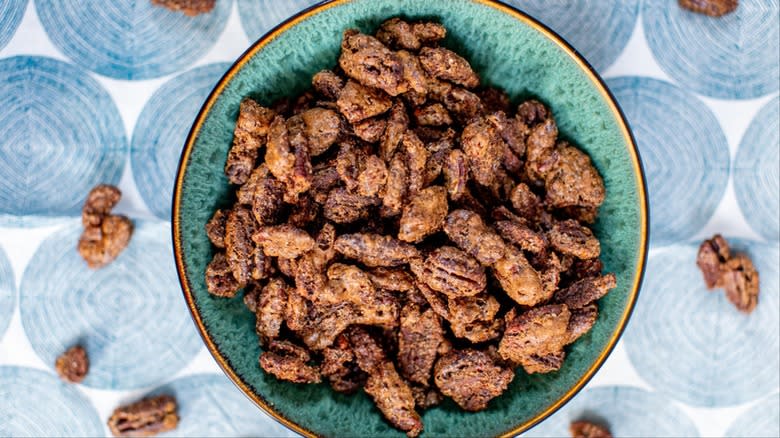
[(401, 229)]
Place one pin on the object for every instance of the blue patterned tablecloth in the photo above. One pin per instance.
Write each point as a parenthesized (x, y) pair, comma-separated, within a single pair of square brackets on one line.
[(105, 91)]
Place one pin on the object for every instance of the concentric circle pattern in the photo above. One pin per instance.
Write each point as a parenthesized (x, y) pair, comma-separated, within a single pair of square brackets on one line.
[(60, 129), (684, 153), (692, 344), (598, 29), (130, 39), (7, 293), (628, 411), (128, 315), (757, 172), (36, 404), (161, 131), (11, 13), (259, 16), (736, 56), (210, 405), (761, 420)]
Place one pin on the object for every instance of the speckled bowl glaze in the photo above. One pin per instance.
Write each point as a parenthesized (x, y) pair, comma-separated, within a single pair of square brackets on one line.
[(509, 50)]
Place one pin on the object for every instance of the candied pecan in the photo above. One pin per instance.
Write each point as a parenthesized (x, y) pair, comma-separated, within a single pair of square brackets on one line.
[(287, 267), (471, 377), (397, 124), (585, 268), (325, 178), (456, 173), (189, 8), (340, 367), (366, 60), (215, 228), (372, 179), (278, 158), (239, 247), (375, 250), (536, 332), (484, 149), (453, 272), (350, 284), (573, 180), (350, 161), (357, 102), (401, 34), (526, 203), (480, 307), (415, 77), (392, 279), (368, 351), (270, 309), (581, 321), (532, 112), (462, 103), (511, 161), (146, 417), (713, 254), (713, 8), (419, 340), (512, 131), (445, 64), (343, 207), (494, 99), (287, 361), (432, 115), (370, 130), (586, 291), (250, 134), (304, 213), (424, 214), (394, 399), (541, 364), (586, 429), (467, 230), (436, 300), (266, 200), (519, 279), (219, 277), (322, 128), (569, 237), (99, 203), (309, 276), (416, 160), (100, 245), (741, 282), (73, 365), (284, 241), (521, 235), (328, 84)]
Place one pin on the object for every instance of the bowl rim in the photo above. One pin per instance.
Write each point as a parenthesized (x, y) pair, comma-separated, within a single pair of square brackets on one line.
[(524, 18)]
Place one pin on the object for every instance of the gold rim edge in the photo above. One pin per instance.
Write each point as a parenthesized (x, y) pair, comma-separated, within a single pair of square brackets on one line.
[(315, 9)]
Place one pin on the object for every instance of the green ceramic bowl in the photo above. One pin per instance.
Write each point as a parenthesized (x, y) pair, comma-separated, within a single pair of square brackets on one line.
[(509, 50)]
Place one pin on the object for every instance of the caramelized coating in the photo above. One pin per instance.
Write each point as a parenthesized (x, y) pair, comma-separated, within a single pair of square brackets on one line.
[(372, 179), (100, 245), (432, 115), (536, 332), (424, 214), (471, 377), (416, 160), (369, 62), (447, 65), (340, 367), (519, 279), (322, 128), (411, 36), (581, 321), (526, 203), (740, 280), (392, 279), (99, 203), (72, 365), (239, 247), (287, 361), (146, 417), (250, 134), (394, 399), (219, 277), (397, 124), (522, 236), (396, 187), (215, 228), (456, 173), (270, 309), (370, 130), (453, 272), (420, 338), (415, 77), (328, 84), (375, 250), (713, 254), (569, 237), (284, 241), (586, 291), (470, 233), (357, 102), (573, 180), (343, 207), (484, 148)]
